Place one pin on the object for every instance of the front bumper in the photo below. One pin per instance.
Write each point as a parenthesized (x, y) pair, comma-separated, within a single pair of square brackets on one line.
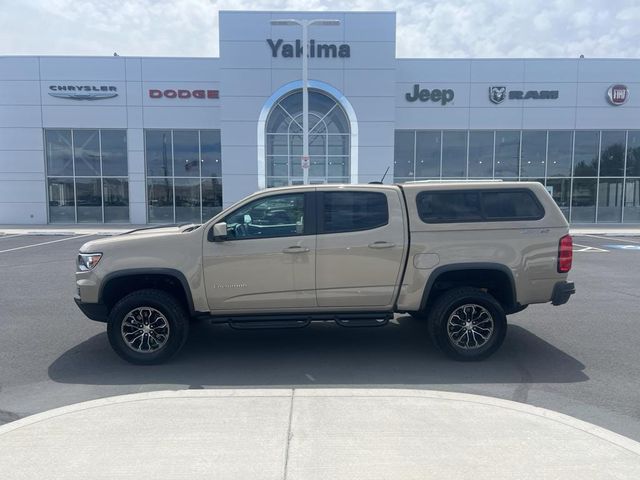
[(561, 292), (95, 311)]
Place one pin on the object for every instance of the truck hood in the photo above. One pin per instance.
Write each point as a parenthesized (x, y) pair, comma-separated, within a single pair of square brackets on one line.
[(135, 236)]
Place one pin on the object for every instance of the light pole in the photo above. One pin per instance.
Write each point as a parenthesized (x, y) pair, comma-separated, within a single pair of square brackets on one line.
[(305, 77)]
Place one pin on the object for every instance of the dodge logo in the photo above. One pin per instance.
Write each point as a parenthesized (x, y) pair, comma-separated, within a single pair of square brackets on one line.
[(497, 94), (618, 94), (182, 94)]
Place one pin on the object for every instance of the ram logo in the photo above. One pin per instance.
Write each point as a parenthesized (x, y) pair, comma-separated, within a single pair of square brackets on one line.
[(497, 94)]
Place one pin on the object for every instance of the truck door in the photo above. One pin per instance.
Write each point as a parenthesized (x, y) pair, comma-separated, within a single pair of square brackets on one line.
[(267, 262), (360, 247)]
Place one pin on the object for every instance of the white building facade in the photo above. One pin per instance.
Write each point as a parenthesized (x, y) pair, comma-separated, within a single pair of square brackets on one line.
[(172, 140)]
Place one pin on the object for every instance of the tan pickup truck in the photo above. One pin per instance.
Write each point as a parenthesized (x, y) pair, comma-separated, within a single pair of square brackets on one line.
[(461, 255)]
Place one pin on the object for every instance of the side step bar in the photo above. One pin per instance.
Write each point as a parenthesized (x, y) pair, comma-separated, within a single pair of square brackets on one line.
[(365, 319), (260, 324)]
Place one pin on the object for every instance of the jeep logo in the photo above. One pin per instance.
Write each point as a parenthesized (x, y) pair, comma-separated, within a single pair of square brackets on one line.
[(443, 96)]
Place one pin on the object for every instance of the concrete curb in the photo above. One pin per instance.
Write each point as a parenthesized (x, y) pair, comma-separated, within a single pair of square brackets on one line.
[(585, 427)]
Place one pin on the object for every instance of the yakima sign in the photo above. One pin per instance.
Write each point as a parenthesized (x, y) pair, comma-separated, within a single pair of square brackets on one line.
[(83, 92), (316, 50), (618, 94), (183, 93)]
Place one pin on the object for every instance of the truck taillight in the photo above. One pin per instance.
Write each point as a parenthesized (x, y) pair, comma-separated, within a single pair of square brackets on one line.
[(565, 254)]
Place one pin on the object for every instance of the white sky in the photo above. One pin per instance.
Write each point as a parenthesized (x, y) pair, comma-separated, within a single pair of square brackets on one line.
[(460, 28)]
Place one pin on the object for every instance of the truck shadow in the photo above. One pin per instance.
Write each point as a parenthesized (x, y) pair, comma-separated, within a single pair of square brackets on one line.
[(321, 355)]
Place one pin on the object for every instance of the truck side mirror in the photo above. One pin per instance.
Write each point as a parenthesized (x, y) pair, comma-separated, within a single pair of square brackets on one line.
[(219, 232)]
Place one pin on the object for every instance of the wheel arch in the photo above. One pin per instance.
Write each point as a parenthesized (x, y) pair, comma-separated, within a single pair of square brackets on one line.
[(118, 284), (497, 278)]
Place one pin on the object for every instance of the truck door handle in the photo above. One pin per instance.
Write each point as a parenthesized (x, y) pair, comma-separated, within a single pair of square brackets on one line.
[(382, 245), (295, 249)]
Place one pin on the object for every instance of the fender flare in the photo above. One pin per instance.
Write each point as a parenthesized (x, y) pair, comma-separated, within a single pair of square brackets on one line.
[(177, 274), (456, 267)]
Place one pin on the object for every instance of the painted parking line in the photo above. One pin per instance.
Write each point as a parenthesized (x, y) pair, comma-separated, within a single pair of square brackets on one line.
[(614, 239), (12, 235), (45, 243), (624, 247), (587, 248)]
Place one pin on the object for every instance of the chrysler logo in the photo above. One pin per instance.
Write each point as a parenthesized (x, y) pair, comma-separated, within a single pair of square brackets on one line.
[(497, 94), (618, 94), (83, 92)]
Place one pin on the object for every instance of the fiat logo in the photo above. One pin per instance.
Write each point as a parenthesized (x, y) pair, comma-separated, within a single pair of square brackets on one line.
[(618, 94)]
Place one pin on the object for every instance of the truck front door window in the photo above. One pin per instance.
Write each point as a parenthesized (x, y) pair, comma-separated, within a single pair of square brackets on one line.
[(275, 216)]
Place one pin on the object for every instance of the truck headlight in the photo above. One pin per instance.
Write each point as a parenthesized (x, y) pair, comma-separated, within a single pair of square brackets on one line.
[(88, 261)]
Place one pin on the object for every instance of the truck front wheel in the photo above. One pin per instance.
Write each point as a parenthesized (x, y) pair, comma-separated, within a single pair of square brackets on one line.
[(147, 327), (467, 324)]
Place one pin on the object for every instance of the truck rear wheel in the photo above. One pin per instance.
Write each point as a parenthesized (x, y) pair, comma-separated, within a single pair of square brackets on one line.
[(147, 327), (467, 324)]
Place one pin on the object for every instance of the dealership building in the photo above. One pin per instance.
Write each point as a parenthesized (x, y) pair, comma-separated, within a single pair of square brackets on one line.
[(170, 140)]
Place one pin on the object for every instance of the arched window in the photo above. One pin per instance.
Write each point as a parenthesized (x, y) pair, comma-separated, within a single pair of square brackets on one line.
[(329, 140)]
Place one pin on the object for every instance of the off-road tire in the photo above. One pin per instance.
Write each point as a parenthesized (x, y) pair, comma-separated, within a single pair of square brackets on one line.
[(443, 308), (168, 306)]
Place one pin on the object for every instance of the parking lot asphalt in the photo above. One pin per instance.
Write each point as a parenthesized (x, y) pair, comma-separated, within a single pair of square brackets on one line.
[(581, 359)]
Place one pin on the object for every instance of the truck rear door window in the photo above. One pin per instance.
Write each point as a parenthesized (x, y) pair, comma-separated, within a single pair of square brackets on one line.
[(352, 211), (478, 206)]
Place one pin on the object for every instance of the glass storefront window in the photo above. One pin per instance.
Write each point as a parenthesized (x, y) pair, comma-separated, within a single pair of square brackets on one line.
[(62, 206), (593, 175), (211, 153), (211, 198), (404, 154), (454, 154), (188, 201), (186, 153), (585, 154), (158, 149), (612, 148), (609, 200), (633, 153), (278, 166), (160, 199), (560, 190), (317, 165), (338, 145), (337, 166), (184, 169), (89, 200), (428, 154), (507, 154), (481, 154), (559, 153), (632, 201), (95, 162), (114, 153), (583, 200), (115, 192), (86, 153), (534, 154), (58, 152)]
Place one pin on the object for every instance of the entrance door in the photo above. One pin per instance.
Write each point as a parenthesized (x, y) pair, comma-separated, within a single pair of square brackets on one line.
[(329, 141), (267, 263)]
